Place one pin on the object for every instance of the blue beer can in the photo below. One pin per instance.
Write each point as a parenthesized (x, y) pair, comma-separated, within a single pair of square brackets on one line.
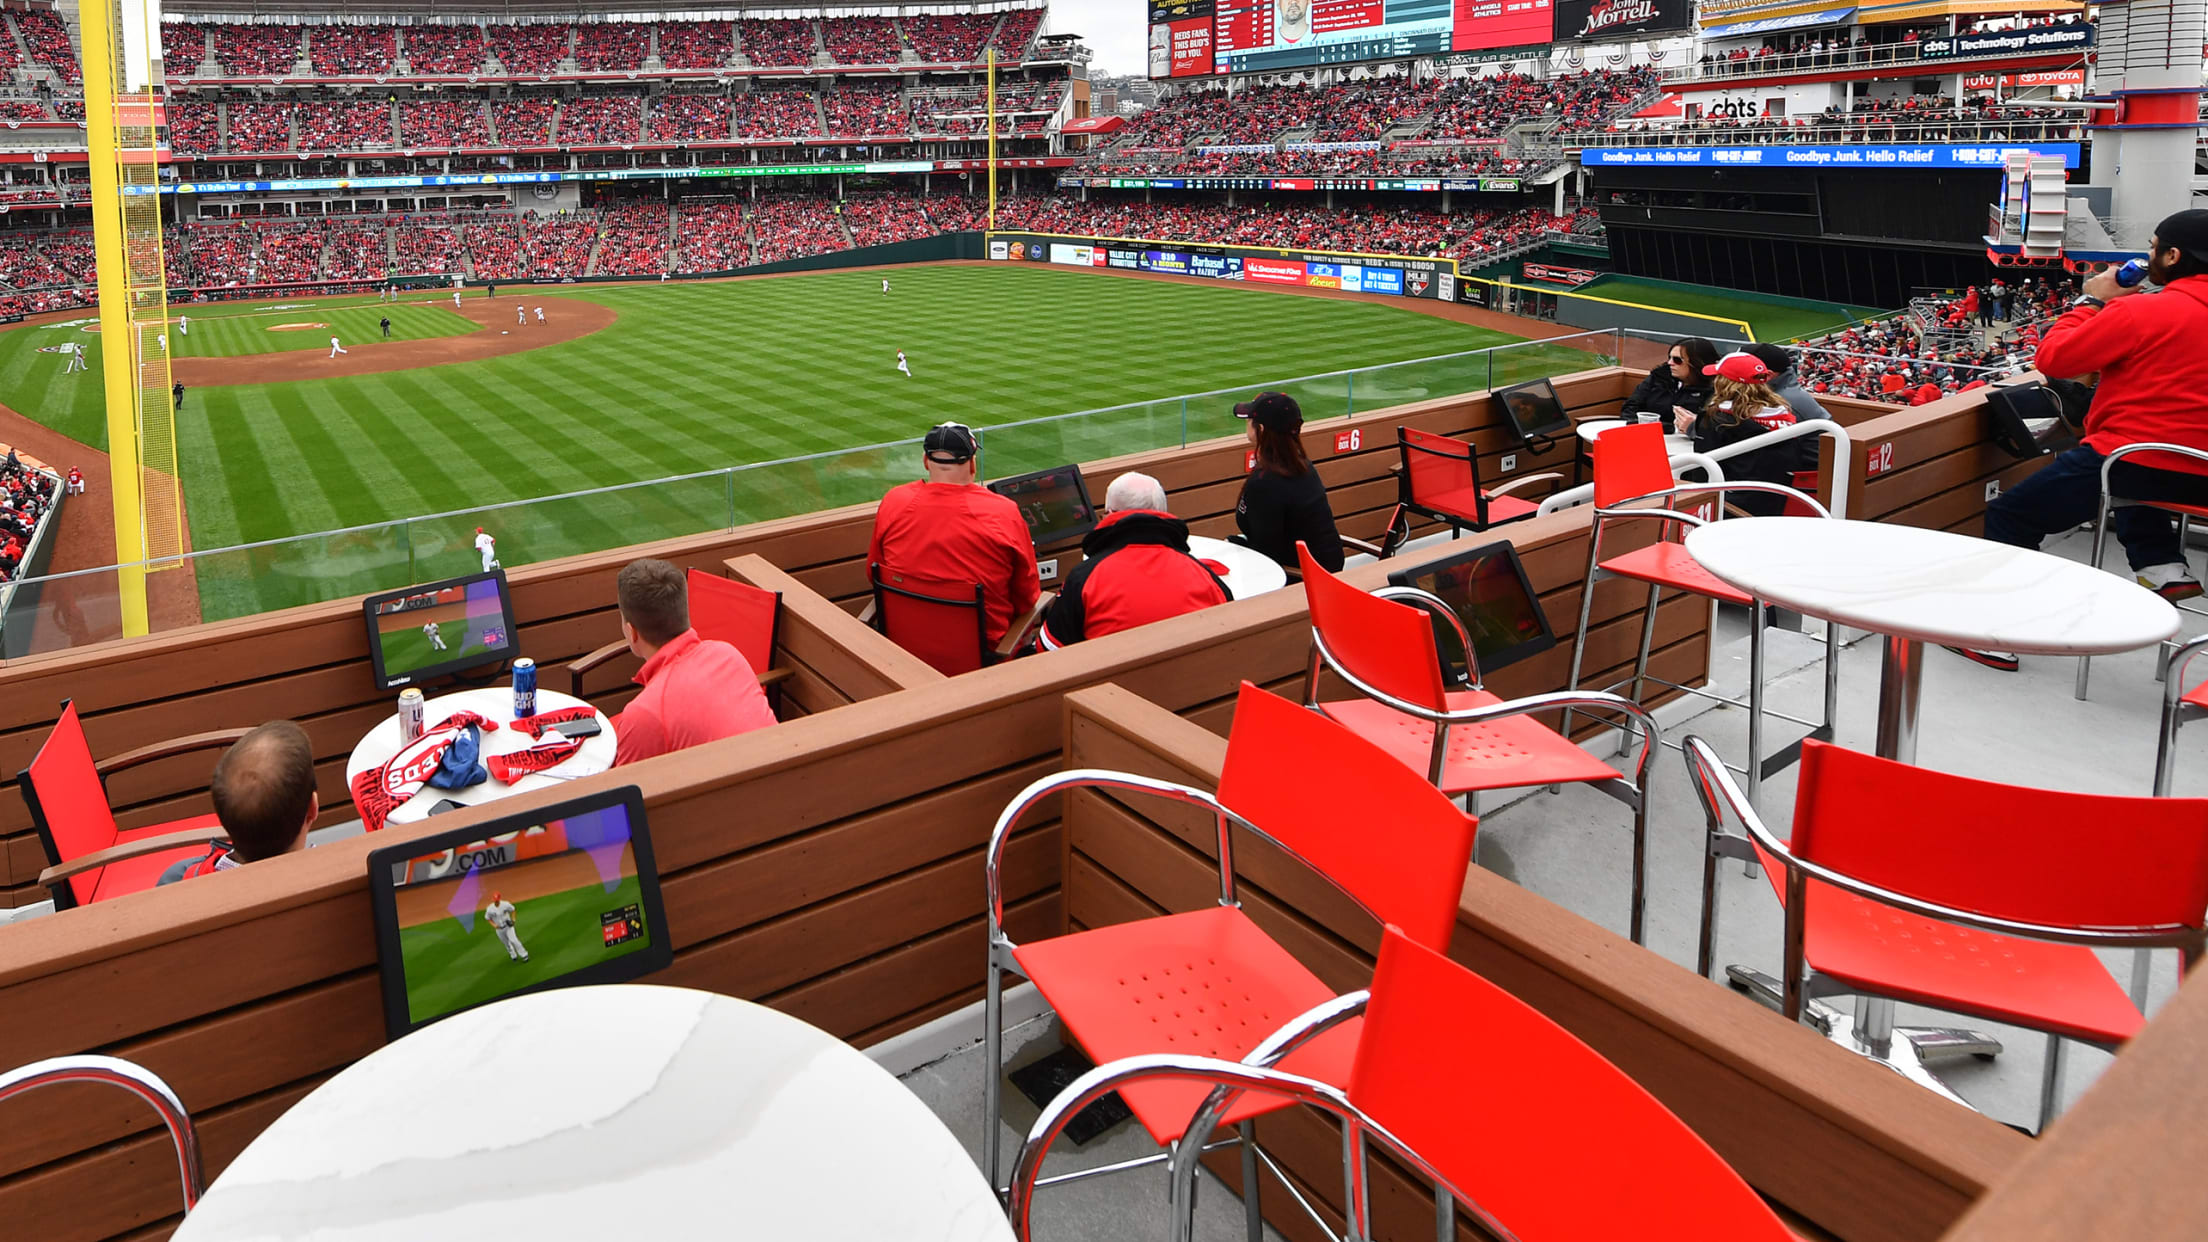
[(525, 688)]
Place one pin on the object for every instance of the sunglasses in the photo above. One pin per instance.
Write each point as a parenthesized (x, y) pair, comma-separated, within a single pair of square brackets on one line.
[(1677, 358)]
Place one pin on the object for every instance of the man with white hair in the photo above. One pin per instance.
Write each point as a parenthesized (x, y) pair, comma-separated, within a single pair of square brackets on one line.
[(1135, 569)]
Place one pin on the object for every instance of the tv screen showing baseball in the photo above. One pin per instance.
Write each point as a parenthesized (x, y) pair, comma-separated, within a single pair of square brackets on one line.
[(546, 901), (442, 627)]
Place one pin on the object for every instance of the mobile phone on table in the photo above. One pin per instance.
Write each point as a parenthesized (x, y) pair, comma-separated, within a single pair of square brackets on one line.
[(446, 804), (577, 730)]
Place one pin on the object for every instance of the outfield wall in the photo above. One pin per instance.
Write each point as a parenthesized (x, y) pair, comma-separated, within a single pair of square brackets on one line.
[(1312, 269)]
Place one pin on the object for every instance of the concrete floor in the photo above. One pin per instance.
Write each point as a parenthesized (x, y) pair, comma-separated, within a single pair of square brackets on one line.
[(1572, 848)]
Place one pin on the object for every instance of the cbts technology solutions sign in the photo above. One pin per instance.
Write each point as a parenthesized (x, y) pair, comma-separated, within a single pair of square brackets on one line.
[(2030, 41), (1404, 278), (1895, 155)]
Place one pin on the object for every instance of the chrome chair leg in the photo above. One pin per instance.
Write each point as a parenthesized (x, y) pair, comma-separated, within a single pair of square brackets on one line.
[(2100, 537), (992, 1070), (1640, 862), (1755, 701), (1253, 1212), (1579, 639), (1640, 663), (2050, 1082), (2142, 965), (1445, 1216)]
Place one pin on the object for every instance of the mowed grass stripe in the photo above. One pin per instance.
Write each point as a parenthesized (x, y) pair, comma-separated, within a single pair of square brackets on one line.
[(704, 376)]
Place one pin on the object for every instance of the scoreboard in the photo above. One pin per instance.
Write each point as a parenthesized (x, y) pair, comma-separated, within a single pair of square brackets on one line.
[(1253, 35)]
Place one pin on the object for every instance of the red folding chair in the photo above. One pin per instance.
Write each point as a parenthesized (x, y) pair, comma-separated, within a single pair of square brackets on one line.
[(1632, 472), (1439, 479), (2111, 502), (1465, 741), (737, 613), (93, 860), (1502, 1108), (1209, 981), (1965, 895)]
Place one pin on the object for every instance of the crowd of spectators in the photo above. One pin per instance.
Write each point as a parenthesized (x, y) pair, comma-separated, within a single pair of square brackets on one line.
[(25, 497), (602, 119), (71, 253), (444, 48), (443, 124), (46, 38), (524, 122), (344, 125), (1017, 32), (558, 246), (612, 45), (879, 218), (949, 38), (1944, 345), (194, 126), (257, 51), (957, 213), (494, 247), (1366, 162), (860, 40), (357, 252), (857, 111), (633, 241), (770, 112), (712, 235), (424, 249), (1872, 45), (689, 118), (69, 107), (535, 47), (183, 46), (777, 40), (695, 45), (260, 127), (791, 226), (289, 253), (21, 108), (23, 265), (352, 51), (1471, 235)]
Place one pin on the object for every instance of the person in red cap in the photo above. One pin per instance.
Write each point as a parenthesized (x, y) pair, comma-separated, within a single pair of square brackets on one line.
[(488, 547), (947, 528), (1741, 407), (1926, 394)]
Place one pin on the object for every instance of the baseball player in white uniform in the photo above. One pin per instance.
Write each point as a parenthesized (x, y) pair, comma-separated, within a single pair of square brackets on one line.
[(456, 299), (76, 358), (500, 915), (885, 286), (184, 325), (488, 547), (540, 314), (520, 316), (335, 348), (902, 365), (436, 639)]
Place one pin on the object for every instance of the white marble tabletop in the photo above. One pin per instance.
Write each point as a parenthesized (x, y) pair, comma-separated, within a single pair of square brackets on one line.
[(605, 1113), (1593, 427), (494, 703), (1933, 586), (1249, 571)]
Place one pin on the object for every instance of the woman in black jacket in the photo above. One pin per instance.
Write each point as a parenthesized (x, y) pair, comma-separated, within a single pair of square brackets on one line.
[(1283, 500), (1679, 383)]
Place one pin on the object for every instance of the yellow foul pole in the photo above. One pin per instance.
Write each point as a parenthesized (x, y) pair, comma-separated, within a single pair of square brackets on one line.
[(992, 73)]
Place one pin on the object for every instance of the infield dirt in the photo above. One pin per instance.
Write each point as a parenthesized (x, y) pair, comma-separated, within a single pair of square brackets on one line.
[(496, 336)]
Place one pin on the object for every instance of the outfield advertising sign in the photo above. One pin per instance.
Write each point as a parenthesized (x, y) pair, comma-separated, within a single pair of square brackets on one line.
[(1884, 155), (1413, 278)]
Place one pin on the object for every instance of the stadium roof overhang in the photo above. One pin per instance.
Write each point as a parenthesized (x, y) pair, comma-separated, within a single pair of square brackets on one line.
[(1094, 125), (1882, 14), (460, 10), (1793, 21)]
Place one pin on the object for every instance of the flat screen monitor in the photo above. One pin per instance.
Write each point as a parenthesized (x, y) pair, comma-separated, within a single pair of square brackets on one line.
[(1487, 588), (1054, 503), (1535, 413), (557, 897), (427, 631)]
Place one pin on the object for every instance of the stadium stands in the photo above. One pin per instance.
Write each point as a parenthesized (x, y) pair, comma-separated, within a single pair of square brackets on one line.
[(876, 219), (949, 38), (860, 40), (352, 51), (791, 226), (1016, 32), (194, 126), (444, 124), (530, 48), (259, 127), (612, 45), (696, 45), (183, 47), (775, 112), (689, 118), (634, 241), (713, 236), (356, 252), (425, 248), (601, 119), (47, 39), (777, 41), (344, 126), (455, 49), (257, 51), (859, 111), (557, 246), (524, 122)]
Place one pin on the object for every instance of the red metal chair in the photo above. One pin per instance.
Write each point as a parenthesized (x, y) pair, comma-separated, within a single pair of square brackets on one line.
[(1465, 741), (2111, 502), (1966, 895), (1499, 1106), (945, 623), (2179, 706), (93, 860), (1209, 981), (1633, 468), (1439, 479), (737, 613)]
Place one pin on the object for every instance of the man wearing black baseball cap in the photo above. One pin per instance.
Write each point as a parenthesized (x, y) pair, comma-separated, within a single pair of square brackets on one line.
[(2153, 389), (949, 528), (1283, 500)]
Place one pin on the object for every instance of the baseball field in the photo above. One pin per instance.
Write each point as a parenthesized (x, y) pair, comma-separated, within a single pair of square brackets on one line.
[(618, 384), (451, 965)]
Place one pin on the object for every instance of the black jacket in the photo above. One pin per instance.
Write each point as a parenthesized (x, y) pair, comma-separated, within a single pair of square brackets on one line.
[(1776, 464), (1275, 512), (1135, 569), (1656, 395)]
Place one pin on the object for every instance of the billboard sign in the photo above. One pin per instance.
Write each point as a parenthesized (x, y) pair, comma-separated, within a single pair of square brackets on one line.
[(1254, 35), (1180, 38), (1894, 155), (1273, 271), (1170, 261), (1603, 19), (2021, 81), (1573, 276), (2030, 41), (1483, 25), (1216, 266)]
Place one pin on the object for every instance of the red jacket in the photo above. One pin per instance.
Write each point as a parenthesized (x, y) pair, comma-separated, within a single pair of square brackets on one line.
[(1136, 570), (695, 691), (2154, 370), (960, 533)]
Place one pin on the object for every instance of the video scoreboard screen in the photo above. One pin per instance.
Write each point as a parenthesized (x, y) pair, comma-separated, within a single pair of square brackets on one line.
[(1254, 35), (1483, 25)]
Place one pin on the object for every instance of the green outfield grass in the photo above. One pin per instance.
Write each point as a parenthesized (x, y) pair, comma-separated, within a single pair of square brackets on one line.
[(450, 966), (227, 332), (1773, 318), (408, 648), (702, 376)]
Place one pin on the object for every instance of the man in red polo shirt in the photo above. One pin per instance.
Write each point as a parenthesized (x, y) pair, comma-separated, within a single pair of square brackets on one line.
[(696, 690), (949, 528)]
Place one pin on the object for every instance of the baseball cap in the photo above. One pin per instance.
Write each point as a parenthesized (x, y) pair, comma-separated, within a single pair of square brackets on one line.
[(948, 444), (478, 530), (1746, 368), (1274, 411), (1771, 356)]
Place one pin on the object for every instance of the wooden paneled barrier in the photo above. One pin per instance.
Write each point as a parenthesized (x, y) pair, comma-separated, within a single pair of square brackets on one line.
[(828, 866), (1836, 1141), (1930, 465), (311, 663)]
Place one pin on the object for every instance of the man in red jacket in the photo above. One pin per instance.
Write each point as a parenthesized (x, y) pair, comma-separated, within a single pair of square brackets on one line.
[(1136, 569), (2153, 389), (949, 528)]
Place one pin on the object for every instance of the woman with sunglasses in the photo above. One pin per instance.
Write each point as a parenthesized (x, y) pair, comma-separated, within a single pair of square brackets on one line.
[(1678, 385)]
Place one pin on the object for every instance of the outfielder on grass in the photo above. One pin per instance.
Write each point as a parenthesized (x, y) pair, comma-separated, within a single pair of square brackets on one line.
[(500, 914)]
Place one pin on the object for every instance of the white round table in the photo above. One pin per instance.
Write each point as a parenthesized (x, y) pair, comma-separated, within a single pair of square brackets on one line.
[(495, 703), (1917, 586), (606, 1113), (1248, 571), (1593, 427)]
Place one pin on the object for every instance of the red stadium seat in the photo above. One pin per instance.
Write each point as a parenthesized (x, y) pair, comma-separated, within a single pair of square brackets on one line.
[(942, 622), (1439, 479), (93, 859), (737, 613)]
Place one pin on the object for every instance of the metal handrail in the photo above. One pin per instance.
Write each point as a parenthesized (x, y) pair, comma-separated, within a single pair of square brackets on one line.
[(136, 1079), (1807, 427)]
